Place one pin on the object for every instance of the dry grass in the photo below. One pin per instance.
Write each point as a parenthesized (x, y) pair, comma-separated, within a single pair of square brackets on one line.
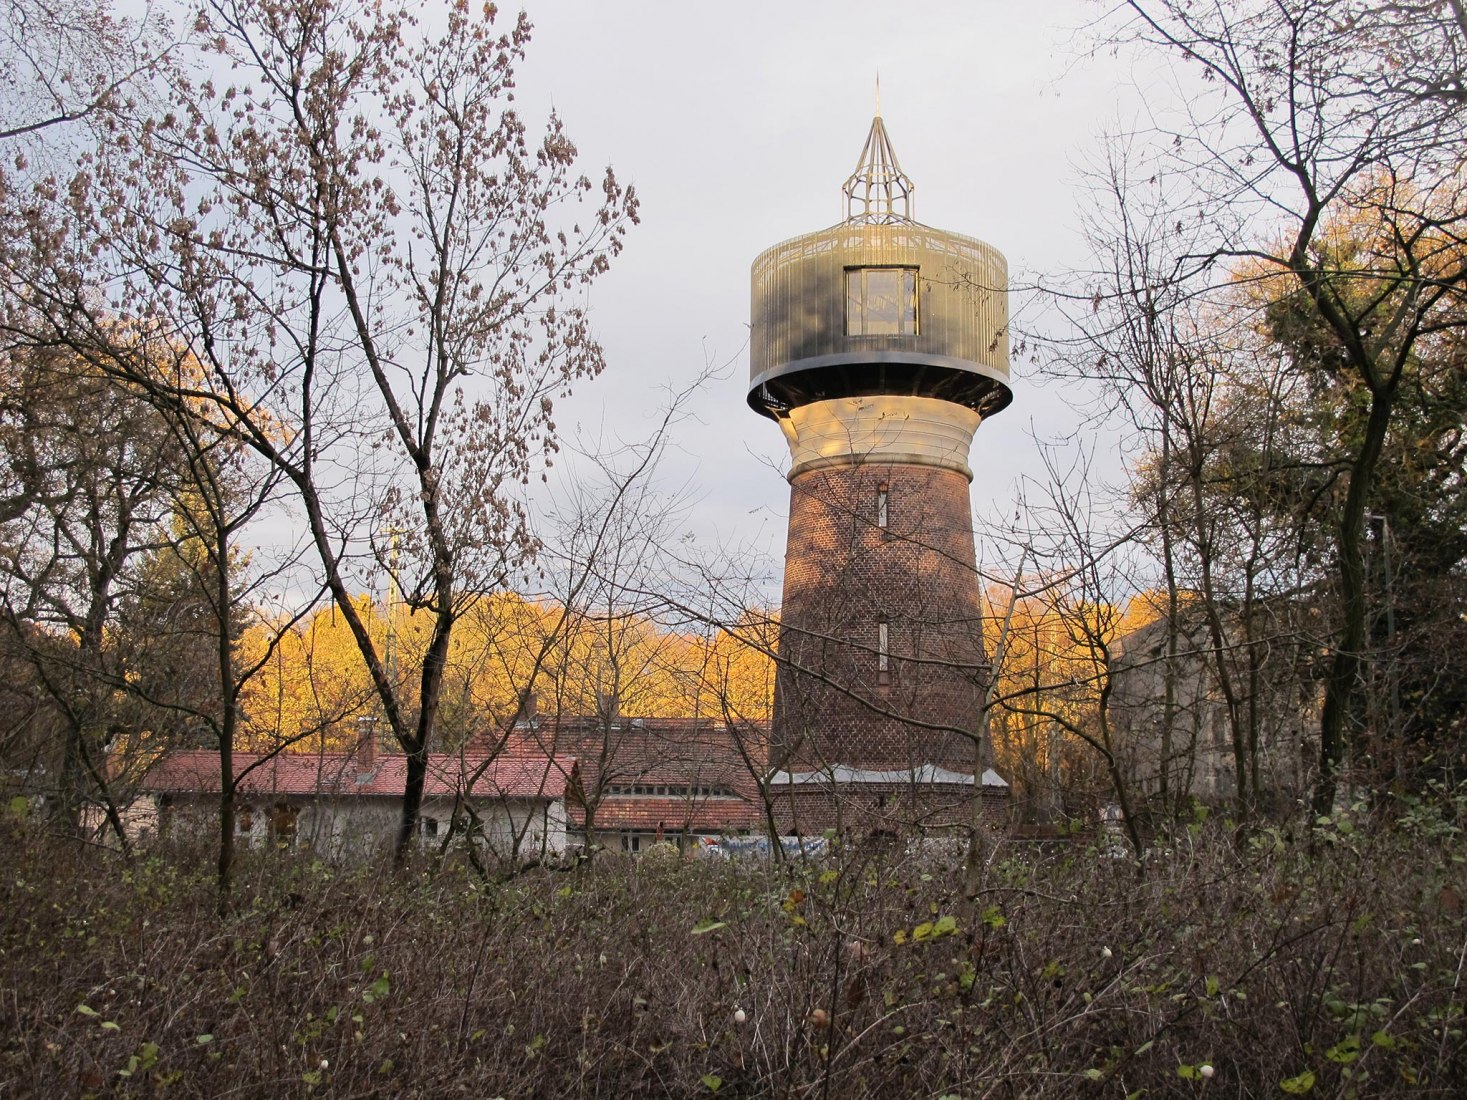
[(867, 974)]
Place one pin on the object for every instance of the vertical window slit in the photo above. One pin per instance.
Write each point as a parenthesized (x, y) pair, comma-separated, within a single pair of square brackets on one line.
[(883, 651)]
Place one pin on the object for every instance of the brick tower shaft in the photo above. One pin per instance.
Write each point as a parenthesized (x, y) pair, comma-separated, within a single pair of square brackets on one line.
[(881, 634)]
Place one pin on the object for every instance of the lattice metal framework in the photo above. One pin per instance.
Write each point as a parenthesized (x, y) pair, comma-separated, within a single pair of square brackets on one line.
[(878, 192)]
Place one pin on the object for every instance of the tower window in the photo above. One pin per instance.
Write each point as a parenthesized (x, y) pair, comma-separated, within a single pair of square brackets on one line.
[(881, 301), (881, 494), (883, 647)]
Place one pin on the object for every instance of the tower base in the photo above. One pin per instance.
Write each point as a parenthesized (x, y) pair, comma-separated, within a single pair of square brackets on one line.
[(863, 802)]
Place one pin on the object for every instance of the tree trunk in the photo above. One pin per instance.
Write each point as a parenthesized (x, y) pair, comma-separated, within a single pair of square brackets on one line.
[(224, 878), (1340, 687)]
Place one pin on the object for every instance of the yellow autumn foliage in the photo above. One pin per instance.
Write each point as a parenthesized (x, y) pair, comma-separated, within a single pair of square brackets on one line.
[(314, 685), (1055, 666)]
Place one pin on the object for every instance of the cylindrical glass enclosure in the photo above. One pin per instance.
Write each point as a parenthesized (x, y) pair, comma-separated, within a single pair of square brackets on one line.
[(862, 309)]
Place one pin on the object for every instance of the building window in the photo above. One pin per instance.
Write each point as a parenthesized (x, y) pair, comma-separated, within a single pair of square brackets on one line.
[(881, 301), (283, 823), (882, 493), (429, 826), (669, 790), (883, 651)]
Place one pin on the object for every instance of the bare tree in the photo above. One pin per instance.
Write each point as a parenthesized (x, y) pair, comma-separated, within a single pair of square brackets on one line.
[(378, 273), (1207, 402), (1081, 565), (981, 843), (99, 466), (66, 61), (201, 597), (1302, 127)]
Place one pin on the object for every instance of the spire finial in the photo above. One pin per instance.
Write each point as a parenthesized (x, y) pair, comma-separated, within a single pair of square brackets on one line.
[(878, 192)]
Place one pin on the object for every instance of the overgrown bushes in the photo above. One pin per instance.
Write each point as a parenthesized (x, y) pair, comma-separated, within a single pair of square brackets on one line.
[(1214, 970)]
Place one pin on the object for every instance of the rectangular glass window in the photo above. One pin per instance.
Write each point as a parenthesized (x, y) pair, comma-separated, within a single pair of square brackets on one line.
[(881, 496), (881, 301), (883, 652)]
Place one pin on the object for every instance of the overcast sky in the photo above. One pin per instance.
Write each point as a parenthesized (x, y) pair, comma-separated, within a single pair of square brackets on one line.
[(738, 123)]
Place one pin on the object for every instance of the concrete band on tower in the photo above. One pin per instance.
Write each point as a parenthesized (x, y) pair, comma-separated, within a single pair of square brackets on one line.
[(879, 345)]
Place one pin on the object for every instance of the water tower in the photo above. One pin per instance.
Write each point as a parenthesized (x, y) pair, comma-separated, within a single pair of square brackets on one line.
[(879, 345)]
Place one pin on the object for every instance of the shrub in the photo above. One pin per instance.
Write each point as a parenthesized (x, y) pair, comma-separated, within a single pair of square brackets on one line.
[(864, 973)]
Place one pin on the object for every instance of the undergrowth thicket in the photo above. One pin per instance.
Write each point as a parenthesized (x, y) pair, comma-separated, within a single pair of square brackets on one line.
[(1218, 969)]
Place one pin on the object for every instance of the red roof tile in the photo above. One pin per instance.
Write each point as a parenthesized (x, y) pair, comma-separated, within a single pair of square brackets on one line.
[(337, 773), (699, 815)]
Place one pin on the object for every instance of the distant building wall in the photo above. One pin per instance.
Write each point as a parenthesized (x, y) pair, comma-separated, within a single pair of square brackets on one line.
[(347, 826), (1191, 741)]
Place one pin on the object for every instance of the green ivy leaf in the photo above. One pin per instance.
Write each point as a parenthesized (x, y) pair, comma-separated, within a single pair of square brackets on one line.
[(712, 1081), (1298, 1086)]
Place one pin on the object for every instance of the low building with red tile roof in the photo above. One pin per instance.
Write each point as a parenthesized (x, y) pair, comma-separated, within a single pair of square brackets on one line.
[(639, 780), (342, 803), (619, 782)]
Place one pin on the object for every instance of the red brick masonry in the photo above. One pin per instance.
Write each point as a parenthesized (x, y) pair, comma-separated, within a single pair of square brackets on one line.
[(845, 575)]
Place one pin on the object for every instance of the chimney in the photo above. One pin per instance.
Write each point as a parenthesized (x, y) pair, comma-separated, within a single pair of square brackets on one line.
[(366, 751), (529, 710), (608, 708)]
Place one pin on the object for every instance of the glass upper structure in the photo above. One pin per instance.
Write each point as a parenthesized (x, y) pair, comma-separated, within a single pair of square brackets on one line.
[(879, 304)]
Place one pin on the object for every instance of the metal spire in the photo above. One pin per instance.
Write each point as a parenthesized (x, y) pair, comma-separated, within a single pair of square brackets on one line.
[(878, 192)]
